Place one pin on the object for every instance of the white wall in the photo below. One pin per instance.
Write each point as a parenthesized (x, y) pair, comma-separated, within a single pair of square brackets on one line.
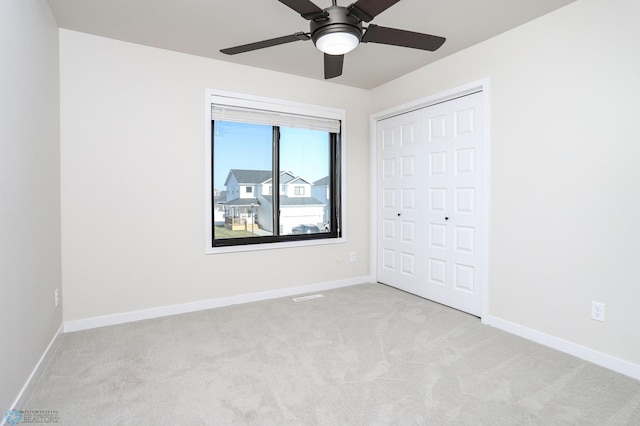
[(133, 176), (565, 174), (29, 190)]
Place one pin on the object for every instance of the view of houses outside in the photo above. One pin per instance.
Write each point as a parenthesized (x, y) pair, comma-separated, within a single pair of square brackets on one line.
[(243, 180)]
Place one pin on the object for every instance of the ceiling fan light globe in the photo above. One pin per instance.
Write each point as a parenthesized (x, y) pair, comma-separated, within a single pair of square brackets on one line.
[(337, 43)]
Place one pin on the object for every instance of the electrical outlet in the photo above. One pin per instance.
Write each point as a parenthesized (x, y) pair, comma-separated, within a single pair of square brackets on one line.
[(597, 311), (338, 259), (352, 256), (56, 297)]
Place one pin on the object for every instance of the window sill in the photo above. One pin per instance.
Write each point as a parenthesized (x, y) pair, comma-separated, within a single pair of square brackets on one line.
[(274, 246)]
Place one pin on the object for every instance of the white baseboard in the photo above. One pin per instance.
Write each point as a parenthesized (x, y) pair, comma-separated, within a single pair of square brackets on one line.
[(102, 321), (607, 361), (33, 377)]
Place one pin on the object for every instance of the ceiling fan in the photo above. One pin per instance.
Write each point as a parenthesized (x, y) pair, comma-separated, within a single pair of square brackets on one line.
[(337, 30)]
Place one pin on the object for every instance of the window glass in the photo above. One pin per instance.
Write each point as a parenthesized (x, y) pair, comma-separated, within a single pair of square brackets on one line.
[(242, 157), (304, 160), (275, 182)]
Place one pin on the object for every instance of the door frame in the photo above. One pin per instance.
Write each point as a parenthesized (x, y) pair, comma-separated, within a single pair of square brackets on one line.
[(456, 92)]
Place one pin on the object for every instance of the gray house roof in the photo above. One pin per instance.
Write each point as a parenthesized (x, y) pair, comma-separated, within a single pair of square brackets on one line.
[(295, 201), (298, 180), (249, 176), (258, 176), (323, 181), (242, 202), (286, 177)]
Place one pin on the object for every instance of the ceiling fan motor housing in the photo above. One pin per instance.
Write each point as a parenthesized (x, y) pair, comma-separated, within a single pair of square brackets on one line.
[(337, 21)]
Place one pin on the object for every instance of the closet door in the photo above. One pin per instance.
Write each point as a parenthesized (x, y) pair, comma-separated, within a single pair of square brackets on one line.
[(435, 251), (399, 179), (453, 188)]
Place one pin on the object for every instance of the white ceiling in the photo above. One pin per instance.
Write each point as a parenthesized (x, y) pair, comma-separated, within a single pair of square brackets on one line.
[(203, 27)]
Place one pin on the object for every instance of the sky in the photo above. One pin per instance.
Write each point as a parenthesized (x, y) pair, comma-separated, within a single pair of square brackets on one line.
[(303, 152)]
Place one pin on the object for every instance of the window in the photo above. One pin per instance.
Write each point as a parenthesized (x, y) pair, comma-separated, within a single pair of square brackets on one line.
[(259, 146)]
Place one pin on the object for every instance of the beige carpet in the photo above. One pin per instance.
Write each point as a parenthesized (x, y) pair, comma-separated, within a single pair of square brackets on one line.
[(362, 355)]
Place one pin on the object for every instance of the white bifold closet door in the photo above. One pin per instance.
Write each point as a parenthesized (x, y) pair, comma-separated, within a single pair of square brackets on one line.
[(429, 202)]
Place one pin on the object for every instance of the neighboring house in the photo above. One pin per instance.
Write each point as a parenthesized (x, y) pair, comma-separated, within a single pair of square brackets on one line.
[(219, 198), (250, 200), (241, 208), (320, 191)]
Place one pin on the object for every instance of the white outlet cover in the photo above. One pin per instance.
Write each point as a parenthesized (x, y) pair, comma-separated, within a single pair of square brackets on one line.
[(597, 311)]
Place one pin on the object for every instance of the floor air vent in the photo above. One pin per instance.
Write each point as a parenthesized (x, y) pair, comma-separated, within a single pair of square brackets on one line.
[(303, 298)]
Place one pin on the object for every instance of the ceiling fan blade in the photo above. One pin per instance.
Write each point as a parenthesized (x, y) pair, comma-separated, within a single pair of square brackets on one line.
[(333, 65), (366, 10), (395, 37), (305, 8), (265, 43)]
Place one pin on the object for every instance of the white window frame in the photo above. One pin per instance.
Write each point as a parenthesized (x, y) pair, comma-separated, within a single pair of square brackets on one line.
[(213, 96)]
